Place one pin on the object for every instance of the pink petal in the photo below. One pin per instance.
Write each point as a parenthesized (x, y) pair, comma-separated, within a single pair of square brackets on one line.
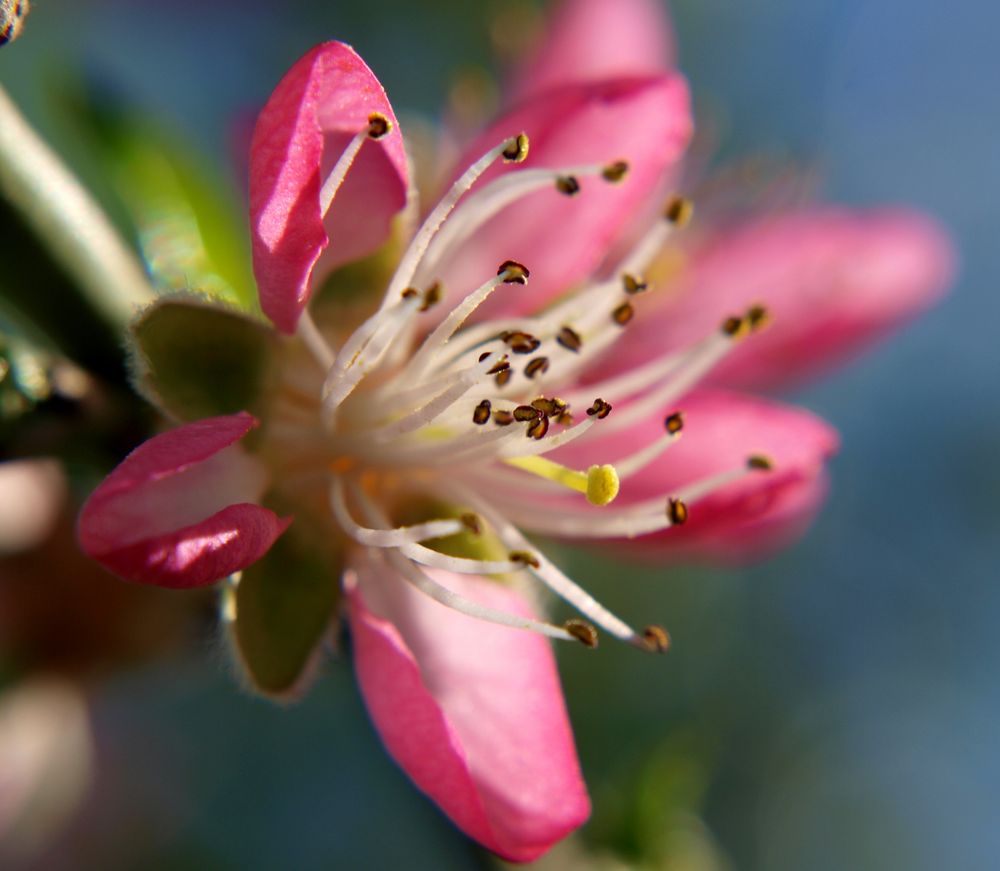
[(587, 40), (834, 281), (561, 239), (308, 121), (747, 519), (473, 712), (177, 511)]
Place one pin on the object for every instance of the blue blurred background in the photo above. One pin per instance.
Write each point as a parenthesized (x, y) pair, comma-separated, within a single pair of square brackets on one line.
[(835, 708)]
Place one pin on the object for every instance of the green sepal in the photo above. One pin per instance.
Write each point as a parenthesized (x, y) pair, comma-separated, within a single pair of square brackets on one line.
[(196, 359), (283, 607)]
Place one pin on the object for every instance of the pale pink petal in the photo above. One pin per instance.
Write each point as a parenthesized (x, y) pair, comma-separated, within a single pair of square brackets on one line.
[(473, 712), (561, 239), (598, 39), (834, 281), (746, 519), (178, 512), (308, 121)]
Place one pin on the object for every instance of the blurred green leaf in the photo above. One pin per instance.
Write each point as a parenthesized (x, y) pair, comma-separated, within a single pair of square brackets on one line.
[(198, 359), (284, 606)]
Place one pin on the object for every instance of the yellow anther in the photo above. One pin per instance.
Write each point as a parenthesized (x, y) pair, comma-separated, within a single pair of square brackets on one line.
[(602, 484), (599, 484)]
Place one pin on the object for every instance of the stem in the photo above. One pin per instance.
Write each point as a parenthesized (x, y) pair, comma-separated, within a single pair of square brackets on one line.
[(68, 220)]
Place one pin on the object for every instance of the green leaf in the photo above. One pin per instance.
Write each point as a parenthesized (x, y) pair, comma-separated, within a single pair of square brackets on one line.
[(284, 605), (195, 359)]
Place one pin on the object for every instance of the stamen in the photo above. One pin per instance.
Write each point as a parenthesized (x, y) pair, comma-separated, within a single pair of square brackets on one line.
[(536, 366), (516, 150), (615, 172), (679, 212), (387, 537), (513, 272), (582, 631), (760, 463), (538, 428), (315, 341), (599, 483), (481, 415), (337, 175), (524, 413), (549, 407), (423, 237), (677, 512), (623, 314), (519, 341), (429, 587), (600, 409), (503, 418), (569, 339), (432, 296), (656, 639), (640, 459), (378, 125), (568, 185), (634, 284)]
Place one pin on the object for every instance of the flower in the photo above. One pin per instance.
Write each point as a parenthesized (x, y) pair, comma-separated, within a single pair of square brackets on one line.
[(409, 450)]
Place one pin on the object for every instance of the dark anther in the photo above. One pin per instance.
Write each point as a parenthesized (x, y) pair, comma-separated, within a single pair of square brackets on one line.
[(536, 366), (677, 512), (656, 639), (615, 171), (565, 419), (503, 418), (633, 284), (623, 314), (525, 557), (526, 412), (679, 211), (378, 125), (484, 355), (520, 342), (549, 407), (600, 409), (471, 522), (517, 273), (482, 413), (757, 317), (432, 296), (501, 366), (517, 150), (582, 632), (733, 326), (410, 292), (503, 376), (760, 463), (569, 339), (538, 429), (674, 423), (567, 184)]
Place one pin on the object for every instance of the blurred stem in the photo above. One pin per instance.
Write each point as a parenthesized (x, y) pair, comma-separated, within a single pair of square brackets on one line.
[(68, 220)]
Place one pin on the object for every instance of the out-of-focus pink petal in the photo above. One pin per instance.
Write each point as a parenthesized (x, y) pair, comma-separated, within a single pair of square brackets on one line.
[(598, 39), (472, 712), (747, 519), (177, 511), (315, 111), (834, 281), (561, 239)]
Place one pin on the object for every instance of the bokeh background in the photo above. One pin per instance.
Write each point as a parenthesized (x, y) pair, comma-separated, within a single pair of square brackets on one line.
[(834, 708)]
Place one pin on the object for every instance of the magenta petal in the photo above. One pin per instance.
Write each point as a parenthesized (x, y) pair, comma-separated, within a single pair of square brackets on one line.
[(833, 280), (177, 511), (747, 519), (310, 118), (598, 39), (561, 239), (473, 712)]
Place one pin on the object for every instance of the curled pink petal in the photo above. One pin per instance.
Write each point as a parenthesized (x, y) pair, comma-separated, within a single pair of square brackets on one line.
[(587, 40), (833, 281), (315, 111), (177, 511), (561, 239), (473, 712), (748, 518)]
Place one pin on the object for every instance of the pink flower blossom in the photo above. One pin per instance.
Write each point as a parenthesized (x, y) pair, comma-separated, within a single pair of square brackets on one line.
[(494, 392)]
